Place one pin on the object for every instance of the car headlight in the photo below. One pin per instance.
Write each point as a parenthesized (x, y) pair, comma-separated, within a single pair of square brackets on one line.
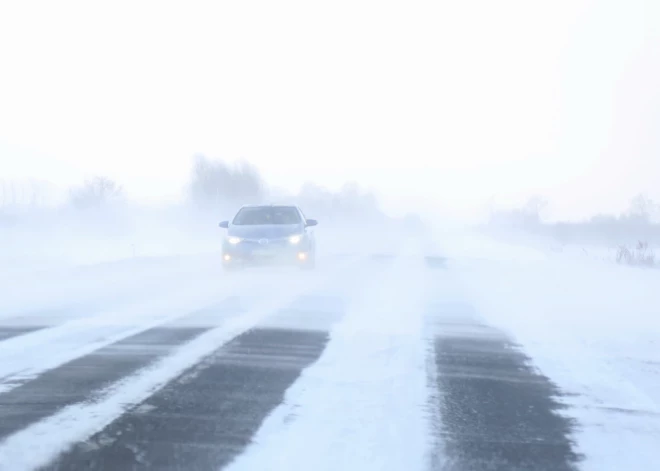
[(295, 239), (234, 240)]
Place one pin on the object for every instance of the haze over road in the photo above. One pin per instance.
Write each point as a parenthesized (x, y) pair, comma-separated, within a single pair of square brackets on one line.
[(368, 363)]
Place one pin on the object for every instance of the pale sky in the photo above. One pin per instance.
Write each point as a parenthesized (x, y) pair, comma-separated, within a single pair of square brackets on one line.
[(434, 104)]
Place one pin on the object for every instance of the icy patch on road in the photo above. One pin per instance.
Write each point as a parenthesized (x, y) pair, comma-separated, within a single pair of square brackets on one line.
[(362, 405)]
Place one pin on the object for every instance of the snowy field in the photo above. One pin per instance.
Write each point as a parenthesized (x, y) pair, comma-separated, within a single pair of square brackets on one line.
[(382, 359)]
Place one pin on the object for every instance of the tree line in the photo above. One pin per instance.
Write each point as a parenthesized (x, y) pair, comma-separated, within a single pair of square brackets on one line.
[(212, 185)]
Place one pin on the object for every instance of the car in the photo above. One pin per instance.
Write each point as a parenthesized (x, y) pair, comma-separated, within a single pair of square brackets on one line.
[(269, 235)]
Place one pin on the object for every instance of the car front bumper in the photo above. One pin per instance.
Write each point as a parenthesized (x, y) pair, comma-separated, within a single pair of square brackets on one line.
[(271, 254)]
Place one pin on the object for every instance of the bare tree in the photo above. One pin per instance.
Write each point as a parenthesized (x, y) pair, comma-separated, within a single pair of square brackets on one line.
[(96, 193), (353, 202), (643, 208), (24, 194), (8, 192), (215, 183), (527, 217), (536, 206)]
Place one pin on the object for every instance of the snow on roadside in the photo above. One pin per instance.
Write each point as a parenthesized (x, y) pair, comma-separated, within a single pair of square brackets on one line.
[(77, 290), (594, 329), (361, 406), (470, 245)]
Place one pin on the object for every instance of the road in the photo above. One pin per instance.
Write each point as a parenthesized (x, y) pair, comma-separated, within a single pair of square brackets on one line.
[(368, 363)]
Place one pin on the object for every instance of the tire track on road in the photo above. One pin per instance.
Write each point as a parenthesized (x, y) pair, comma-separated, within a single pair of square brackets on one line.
[(53, 435), (78, 380), (10, 332), (207, 416), (25, 357), (497, 412)]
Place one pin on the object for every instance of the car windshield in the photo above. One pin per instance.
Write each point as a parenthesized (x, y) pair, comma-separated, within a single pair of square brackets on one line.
[(258, 215)]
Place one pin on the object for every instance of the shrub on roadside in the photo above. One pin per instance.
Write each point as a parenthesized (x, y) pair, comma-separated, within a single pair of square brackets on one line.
[(640, 255)]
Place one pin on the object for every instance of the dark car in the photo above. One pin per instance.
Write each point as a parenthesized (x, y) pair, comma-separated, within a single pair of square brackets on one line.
[(269, 234)]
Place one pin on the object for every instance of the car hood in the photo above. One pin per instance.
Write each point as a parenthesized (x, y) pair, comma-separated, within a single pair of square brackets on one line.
[(269, 231)]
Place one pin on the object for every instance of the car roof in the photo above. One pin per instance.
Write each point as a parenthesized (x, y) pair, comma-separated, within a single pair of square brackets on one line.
[(269, 206)]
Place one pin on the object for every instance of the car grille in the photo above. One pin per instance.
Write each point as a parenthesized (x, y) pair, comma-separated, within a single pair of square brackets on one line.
[(272, 243)]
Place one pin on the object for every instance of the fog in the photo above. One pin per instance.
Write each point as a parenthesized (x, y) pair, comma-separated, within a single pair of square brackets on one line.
[(446, 108), (95, 221), (482, 292)]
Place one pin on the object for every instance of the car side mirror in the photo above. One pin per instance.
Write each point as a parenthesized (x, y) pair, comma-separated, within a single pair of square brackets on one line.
[(311, 222), (224, 224)]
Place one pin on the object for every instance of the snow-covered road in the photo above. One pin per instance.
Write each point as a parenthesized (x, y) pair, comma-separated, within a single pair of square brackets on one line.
[(376, 361)]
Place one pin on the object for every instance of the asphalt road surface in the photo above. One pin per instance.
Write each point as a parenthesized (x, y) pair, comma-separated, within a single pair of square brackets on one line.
[(193, 388)]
